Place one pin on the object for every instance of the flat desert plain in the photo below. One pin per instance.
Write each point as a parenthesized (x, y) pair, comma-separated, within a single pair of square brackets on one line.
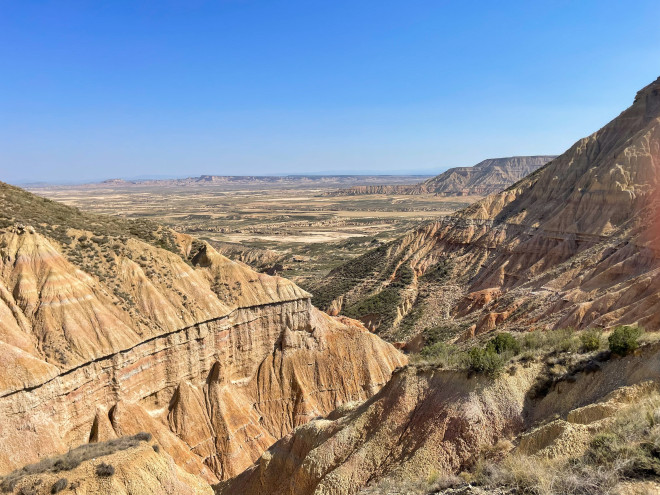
[(293, 230)]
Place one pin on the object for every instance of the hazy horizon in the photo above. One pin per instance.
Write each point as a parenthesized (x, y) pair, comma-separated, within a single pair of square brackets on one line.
[(321, 173), (125, 89)]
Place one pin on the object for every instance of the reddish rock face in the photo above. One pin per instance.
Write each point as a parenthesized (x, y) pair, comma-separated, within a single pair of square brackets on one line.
[(215, 360)]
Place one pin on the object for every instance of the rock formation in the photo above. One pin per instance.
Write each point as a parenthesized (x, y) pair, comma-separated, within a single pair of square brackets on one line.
[(118, 329), (428, 421), (572, 244), (486, 177)]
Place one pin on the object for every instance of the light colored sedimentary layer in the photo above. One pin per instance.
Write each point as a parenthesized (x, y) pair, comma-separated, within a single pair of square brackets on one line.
[(215, 394), (215, 360)]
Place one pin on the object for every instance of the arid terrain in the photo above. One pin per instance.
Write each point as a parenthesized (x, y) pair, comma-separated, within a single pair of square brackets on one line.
[(293, 229), (509, 347), (330, 248)]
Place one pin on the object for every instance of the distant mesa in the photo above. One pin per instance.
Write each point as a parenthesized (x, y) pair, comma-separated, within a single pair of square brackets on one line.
[(484, 178), (116, 181), (323, 181)]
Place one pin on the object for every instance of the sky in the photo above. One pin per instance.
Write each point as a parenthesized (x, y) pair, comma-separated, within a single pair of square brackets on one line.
[(92, 90)]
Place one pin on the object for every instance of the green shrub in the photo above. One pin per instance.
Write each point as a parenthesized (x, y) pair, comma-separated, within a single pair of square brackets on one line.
[(504, 343), (591, 340), (562, 340), (624, 339), (442, 354), (532, 340), (485, 361), (603, 448)]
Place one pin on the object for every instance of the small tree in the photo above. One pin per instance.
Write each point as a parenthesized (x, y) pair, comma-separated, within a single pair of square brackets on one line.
[(504, 342), (485, 361), (591, 340), (624, 339)]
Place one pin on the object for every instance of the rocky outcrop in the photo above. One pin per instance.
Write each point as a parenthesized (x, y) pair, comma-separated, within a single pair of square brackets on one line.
[(427, 421), (486, 177), (105, 336), (572, 244)]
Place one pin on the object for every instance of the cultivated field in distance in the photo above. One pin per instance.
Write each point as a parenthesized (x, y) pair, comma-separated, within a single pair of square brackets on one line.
[(286, 227)]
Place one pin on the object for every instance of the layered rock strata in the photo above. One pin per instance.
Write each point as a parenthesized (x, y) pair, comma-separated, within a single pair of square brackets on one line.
[(486, 177), (213, 359)]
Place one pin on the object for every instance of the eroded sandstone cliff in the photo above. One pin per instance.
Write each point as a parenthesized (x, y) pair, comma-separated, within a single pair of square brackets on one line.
[(486, 177), (108, 332)]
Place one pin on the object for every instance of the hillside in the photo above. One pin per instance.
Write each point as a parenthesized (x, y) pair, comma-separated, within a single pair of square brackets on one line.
[(486, 177), (112, 327), (513, 434), (570, 245)]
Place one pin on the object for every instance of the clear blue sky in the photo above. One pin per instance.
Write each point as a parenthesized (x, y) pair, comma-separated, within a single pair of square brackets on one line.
[(99, 89)]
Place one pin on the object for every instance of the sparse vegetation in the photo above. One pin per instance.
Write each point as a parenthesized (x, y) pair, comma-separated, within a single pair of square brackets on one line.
[(54, 219), (627, 449), (72, 459), (442, 354), (383, 304), (422, 486), (560, 348), (591, 340), (105, 470)]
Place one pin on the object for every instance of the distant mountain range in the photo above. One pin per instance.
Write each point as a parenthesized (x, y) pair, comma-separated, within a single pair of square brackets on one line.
[(233, 181)]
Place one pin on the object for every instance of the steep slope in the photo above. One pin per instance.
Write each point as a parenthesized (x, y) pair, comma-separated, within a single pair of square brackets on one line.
[(428, 422), (486, 177), (104, 333), (572, 244)]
